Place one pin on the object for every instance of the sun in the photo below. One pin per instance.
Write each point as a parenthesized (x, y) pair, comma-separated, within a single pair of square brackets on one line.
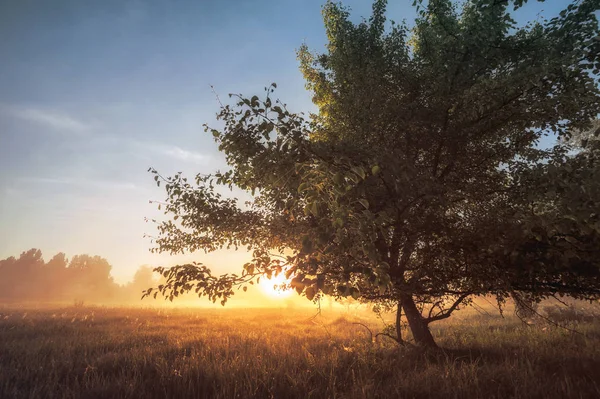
[(272, 287)]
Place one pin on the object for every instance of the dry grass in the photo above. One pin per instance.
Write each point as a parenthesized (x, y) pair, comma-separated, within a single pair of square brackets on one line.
[(150, 353)]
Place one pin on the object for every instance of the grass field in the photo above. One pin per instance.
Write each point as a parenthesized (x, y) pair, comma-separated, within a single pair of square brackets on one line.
[(95, 352)]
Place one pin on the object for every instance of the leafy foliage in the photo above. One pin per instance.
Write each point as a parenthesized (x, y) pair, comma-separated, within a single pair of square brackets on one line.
[(420, 181)]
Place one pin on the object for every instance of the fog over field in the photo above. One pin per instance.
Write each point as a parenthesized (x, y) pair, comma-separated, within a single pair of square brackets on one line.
[(99, 352)]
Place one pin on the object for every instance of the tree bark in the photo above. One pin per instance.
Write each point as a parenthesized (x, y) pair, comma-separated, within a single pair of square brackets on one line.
[(418, 326), (399, 323)]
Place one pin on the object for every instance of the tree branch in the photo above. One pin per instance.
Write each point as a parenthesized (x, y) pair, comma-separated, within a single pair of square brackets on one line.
[(448, 312)]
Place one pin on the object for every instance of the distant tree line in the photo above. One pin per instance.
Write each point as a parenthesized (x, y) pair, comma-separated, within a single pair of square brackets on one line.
[(83, 278)]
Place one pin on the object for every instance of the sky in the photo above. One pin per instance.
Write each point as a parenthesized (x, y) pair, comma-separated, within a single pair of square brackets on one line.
[(93, 93)]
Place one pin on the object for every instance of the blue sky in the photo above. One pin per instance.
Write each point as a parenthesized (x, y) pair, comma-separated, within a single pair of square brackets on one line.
[(92, 93)]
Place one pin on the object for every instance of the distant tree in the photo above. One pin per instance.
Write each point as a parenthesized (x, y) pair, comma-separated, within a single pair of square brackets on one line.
[(142, 279), (22, 277), (89, 278), (28, 272), (84, 278), (58, 262), (419, 182), (7, 271), (54, 278)]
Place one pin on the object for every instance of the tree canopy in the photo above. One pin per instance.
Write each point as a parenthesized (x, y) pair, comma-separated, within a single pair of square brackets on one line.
[(421, 180)]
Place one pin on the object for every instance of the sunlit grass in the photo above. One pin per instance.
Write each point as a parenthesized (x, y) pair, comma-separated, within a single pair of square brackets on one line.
[(150, 353)]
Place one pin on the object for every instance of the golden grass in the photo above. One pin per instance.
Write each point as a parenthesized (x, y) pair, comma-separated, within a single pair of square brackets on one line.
[(234, 353)]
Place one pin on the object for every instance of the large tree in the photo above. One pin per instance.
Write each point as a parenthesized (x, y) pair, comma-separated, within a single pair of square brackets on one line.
[(420, 180)]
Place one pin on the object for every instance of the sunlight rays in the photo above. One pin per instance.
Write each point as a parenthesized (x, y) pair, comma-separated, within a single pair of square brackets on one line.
[(273, 287)]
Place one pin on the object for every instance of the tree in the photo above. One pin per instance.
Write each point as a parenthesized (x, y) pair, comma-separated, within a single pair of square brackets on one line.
[(89, 278), (58, 263), (419, 181), (142, 279), (8, 270), (26, 271), (53, 277)]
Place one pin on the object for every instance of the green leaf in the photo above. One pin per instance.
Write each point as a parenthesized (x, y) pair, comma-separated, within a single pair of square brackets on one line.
[(338, 179), (359, 171), (571, 240), (310, 293), (314, 208), (338, 222), (306, 245)]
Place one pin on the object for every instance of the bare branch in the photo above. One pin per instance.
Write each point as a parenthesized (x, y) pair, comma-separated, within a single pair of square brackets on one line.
[(447, 313), (368, 329)]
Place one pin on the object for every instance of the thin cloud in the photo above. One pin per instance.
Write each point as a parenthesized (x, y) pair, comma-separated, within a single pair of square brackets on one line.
[(54, 120), (11, 192), (184, 155), (171, 151), (98, 184)]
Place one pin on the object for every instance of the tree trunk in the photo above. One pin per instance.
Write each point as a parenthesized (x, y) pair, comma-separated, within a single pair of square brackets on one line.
[(417, 324), (399, 323)]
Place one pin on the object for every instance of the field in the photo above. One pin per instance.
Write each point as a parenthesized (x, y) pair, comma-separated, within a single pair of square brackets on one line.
[(96, 352)]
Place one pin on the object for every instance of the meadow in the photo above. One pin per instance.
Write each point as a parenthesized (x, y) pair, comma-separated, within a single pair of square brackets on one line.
[(99, 352)]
